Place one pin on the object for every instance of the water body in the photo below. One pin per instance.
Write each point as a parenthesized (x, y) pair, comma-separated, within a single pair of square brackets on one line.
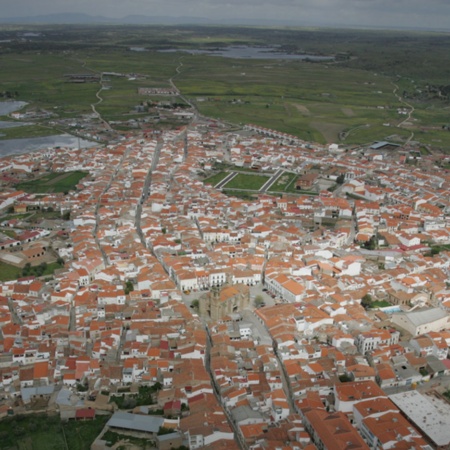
[(9, 107), (138, 49), (18, 146), (4, 124), (246, 52)]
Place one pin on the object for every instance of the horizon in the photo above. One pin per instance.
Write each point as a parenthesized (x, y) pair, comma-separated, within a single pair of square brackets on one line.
[(132, 19), (373, 14)]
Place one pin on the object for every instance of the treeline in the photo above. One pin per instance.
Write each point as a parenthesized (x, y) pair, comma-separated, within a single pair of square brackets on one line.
[(9, 94)]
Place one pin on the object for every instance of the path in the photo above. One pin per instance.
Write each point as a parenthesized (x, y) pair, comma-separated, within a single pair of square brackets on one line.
[(100, 100), (410, 112), (228, 178), (344, 134), (271, 181)]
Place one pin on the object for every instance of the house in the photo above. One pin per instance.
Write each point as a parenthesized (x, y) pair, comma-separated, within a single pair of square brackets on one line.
[(349, 394), (422, 321), (306, 181), (332, 431)]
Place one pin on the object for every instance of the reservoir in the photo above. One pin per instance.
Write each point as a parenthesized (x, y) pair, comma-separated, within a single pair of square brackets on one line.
[(246, 52), (4, 124), (17, 146), (9, 107)]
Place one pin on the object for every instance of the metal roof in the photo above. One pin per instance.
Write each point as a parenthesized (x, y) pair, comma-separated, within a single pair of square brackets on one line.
[(136, 422)]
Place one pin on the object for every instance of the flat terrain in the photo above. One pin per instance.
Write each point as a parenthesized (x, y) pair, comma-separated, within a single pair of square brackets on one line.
[(354, 99), (54, 182), (247, 181), (42, 432)]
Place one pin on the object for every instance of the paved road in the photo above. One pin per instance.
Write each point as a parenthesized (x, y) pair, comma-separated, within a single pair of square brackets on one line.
[(146, 191), (272, 180), (225, 180), (259, 330), (440, 384)]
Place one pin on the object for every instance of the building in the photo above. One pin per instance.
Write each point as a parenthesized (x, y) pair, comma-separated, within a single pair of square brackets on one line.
[(430, 415), (332, 431), (367, 341), (221, 302), (135, 422), (422, 321)]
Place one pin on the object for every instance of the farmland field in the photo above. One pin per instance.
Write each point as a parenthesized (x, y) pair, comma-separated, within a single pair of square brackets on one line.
[(353, 99)]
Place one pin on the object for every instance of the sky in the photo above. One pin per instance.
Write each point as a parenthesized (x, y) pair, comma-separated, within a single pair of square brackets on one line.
[(431, 14)]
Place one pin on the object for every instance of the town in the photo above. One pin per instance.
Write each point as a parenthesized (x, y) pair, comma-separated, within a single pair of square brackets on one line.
[(308, 318)]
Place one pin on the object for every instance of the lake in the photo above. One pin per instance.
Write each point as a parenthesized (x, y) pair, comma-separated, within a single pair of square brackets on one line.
[(9, 107), (4, 124), (246, 52), (18, 146)]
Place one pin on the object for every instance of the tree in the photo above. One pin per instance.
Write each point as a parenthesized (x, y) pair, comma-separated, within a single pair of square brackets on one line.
[(26, 270), (344, 378), (371, 244), (366, 301), (195, 304), (129, 287), (258, 301), (340, 179)]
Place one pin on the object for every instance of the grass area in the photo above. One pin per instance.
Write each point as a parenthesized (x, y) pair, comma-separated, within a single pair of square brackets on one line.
[(112, 438), (435, 249), (54, 182), (284, 182), (12, 234), (8, 272), (247, 181), (350, 100), (28, 131), (41, 270), (7, 217), (143, 397), (380, 304), (42, 432), (215, 179), (244, 195)]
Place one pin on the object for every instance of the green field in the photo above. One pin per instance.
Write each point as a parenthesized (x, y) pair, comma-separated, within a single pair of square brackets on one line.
[(42, 432), (28, 131), (217, 178), (352, 100), (8, 272), (285, 183), (247, 181), (244, 195), (54, 182)]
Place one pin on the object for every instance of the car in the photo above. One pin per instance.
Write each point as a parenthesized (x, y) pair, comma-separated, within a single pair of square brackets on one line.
[(265, 290)]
